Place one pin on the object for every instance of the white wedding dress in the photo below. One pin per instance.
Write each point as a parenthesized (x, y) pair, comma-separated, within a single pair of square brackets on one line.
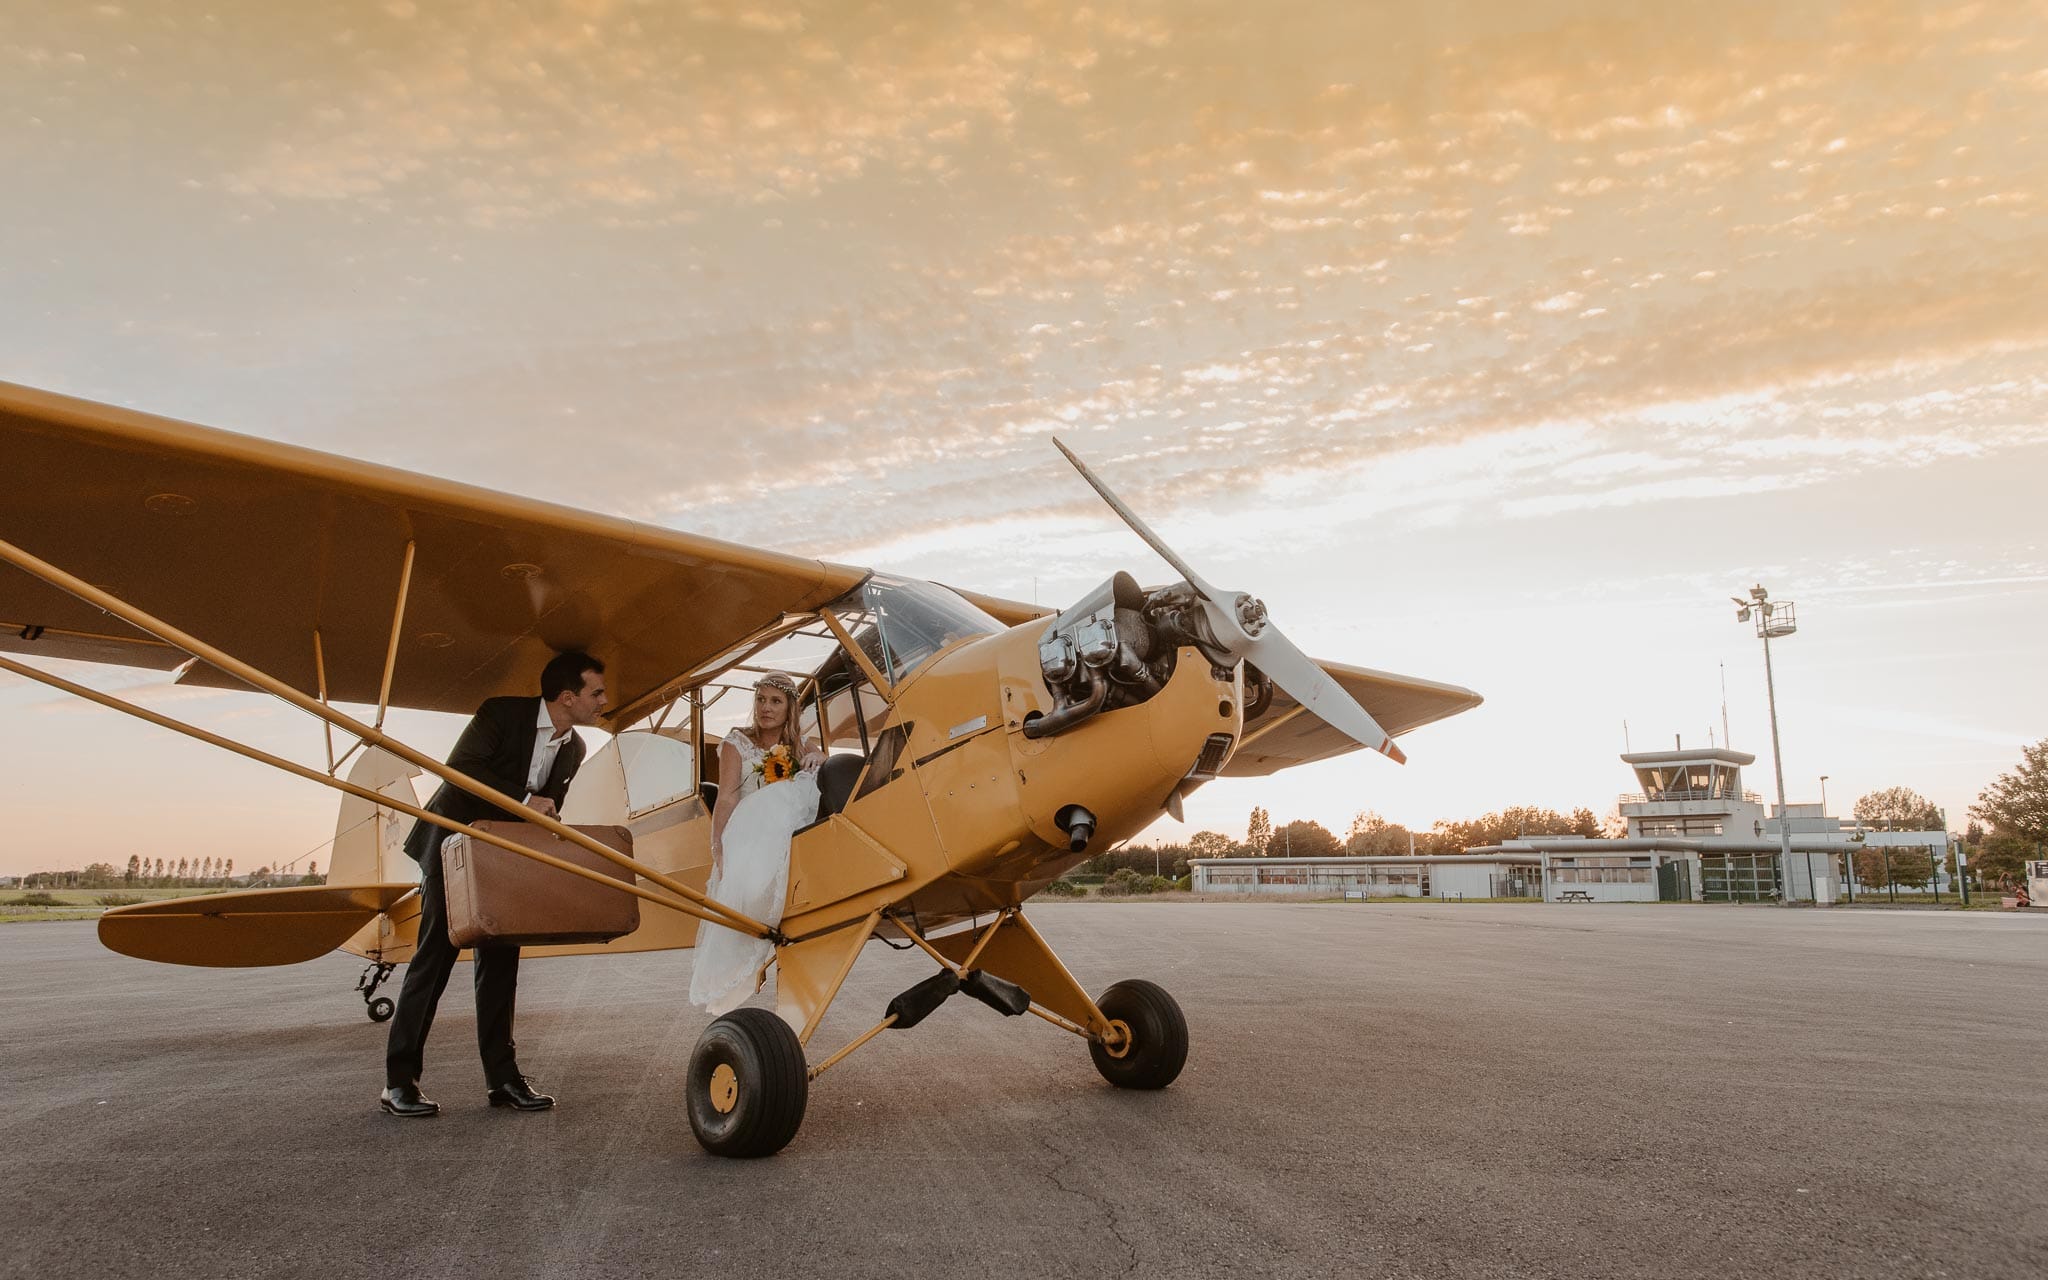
[(752, 878)]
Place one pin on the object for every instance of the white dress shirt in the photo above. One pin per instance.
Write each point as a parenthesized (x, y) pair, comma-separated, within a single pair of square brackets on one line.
[(546, 743)]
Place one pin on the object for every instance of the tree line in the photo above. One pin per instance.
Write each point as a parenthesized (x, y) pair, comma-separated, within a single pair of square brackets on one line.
[(1369, 835), (2009, 826), (166, 873)]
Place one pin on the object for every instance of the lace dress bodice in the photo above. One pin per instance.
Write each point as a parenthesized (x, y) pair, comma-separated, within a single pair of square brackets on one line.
[(750, 755)]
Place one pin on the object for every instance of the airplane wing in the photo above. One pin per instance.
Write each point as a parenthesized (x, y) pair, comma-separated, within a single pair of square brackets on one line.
[(1284, 735), (257, 546), (1007, 612)]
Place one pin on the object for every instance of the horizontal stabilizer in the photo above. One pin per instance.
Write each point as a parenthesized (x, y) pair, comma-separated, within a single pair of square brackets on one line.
[(249, 927)]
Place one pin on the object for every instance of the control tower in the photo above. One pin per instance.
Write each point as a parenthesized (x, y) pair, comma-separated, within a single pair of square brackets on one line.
[(1695, 794), (1697, 797)]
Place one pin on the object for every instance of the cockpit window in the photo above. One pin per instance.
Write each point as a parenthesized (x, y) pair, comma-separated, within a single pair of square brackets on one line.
[(906, 622)]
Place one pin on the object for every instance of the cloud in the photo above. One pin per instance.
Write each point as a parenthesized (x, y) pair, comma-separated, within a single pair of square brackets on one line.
[(785, 255)]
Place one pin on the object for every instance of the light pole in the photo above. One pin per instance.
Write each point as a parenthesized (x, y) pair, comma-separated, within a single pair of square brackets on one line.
[(1773, 618), (1823, 795)]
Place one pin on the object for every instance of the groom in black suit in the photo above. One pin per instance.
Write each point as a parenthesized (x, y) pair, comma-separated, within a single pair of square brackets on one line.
[(524, 747)]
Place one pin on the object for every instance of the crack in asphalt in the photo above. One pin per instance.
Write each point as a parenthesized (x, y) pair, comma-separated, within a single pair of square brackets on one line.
[(1064, 1118)]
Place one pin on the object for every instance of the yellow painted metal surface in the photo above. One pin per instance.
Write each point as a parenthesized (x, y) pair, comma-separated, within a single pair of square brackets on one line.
[(834, 861), (808, 974)]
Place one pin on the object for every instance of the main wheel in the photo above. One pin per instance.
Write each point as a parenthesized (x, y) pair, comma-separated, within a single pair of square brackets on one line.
[(748, 1085), (1155, 1046), (380, 1009)]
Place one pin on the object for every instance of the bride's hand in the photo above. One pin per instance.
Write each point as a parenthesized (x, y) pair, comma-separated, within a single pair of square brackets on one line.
[(813, 758)]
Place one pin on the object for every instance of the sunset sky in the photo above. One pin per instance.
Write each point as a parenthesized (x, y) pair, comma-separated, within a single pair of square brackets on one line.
[(1498, 343)]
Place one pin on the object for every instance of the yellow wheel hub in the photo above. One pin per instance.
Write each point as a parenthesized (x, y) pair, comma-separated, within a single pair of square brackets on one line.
[(725, 1089), (1117, 1043)]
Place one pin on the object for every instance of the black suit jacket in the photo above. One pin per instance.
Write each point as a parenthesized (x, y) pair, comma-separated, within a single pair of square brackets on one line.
[(495, 748)]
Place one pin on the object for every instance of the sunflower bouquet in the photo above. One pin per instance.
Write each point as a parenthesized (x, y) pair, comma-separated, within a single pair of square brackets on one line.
[(777, 765)]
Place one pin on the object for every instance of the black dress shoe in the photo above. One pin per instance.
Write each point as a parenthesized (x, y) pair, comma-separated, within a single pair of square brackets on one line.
[(406, 1102), (518, 1094)]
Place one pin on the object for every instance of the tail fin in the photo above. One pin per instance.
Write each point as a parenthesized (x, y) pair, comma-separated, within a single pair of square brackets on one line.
[(369, 840)]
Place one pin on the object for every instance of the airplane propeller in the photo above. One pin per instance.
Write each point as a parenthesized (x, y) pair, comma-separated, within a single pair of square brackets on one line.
[(1239, 622)]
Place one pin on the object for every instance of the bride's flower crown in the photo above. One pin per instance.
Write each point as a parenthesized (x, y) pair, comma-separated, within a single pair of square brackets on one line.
[(780, 682)]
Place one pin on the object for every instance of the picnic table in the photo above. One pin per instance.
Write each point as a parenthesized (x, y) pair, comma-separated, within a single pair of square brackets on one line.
[(1574, 895)]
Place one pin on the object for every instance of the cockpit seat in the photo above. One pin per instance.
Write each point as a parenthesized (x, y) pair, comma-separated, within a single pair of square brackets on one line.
[(835, 781)]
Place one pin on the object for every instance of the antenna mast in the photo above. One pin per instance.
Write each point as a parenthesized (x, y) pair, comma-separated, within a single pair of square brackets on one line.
[(1726, 741)]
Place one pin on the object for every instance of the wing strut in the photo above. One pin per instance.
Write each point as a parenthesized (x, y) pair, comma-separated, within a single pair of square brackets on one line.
[(27, 563), (397, 626), (320, 677), (375, 797)]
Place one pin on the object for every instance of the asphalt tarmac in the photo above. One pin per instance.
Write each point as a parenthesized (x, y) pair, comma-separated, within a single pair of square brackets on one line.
[(1469, 1090)]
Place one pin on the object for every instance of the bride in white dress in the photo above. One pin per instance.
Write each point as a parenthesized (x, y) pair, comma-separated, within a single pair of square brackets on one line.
[(750, 831)]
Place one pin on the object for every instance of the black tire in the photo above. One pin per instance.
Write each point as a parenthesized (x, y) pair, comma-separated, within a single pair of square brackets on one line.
[(754, 1109), (381, 1009), (1159, 1036)]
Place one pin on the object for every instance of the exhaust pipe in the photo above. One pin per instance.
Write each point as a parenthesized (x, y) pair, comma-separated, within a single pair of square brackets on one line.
[(1078, 823), (1045, 726)]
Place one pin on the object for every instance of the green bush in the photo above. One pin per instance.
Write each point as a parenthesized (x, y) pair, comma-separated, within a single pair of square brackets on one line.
[(34, 900), (1065, 889), (1186, 884), (117, 899), (1127, 881), (1122, 881)]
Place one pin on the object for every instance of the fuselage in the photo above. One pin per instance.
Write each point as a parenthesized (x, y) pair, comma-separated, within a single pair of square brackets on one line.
[(957, 811)]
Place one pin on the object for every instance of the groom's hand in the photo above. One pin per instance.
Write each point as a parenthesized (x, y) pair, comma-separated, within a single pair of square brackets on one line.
[(541, 805)]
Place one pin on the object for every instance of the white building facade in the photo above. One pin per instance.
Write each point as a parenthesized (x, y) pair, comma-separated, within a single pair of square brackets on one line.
[(1458, 877), (1695, 833)]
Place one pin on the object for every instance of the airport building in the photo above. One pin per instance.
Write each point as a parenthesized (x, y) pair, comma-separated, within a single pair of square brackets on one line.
[(1695, 834), (1492, 875)]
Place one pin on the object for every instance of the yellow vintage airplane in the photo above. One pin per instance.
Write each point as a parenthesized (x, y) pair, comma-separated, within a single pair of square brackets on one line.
[(981, 747)]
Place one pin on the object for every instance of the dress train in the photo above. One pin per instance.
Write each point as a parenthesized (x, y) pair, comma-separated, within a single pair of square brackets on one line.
[(753, 880)]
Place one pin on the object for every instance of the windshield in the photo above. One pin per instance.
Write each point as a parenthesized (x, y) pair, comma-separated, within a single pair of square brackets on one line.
[(903, 622)]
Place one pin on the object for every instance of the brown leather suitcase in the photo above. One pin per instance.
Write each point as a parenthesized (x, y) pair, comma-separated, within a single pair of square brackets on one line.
[(496, 896)]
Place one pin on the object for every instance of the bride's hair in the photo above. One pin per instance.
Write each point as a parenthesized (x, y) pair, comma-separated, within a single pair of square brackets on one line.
[(790, 736)]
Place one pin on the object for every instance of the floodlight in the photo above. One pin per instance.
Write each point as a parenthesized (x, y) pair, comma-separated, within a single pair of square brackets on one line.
[(1774, 619)]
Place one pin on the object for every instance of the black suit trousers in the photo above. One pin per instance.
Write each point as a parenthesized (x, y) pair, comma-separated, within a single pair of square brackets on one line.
[(426, 977)]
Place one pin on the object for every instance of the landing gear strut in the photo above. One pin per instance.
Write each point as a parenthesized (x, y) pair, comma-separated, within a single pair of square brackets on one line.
[(379, 1007)]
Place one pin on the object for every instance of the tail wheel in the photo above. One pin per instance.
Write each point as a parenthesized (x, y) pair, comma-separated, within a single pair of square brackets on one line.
[(1154, 1043), (748, 1085), (381, 1009)]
